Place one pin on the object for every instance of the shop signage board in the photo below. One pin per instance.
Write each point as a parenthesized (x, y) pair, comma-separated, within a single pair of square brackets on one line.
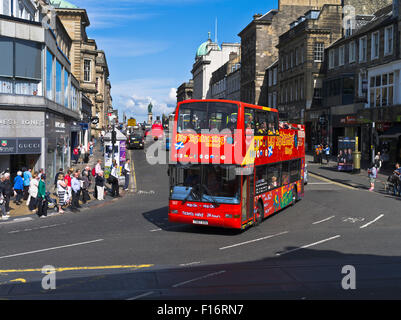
[(20, 145)]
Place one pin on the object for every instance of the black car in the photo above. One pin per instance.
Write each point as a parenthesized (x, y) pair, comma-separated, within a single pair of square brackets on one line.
[(136, 141)]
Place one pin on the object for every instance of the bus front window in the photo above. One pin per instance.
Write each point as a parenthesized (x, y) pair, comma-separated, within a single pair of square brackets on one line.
[(210, 183)]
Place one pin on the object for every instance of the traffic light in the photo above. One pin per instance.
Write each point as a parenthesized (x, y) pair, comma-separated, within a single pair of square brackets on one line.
[(113, 137)]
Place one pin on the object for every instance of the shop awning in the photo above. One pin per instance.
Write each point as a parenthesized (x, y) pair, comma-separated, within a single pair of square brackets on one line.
[(392, 133)]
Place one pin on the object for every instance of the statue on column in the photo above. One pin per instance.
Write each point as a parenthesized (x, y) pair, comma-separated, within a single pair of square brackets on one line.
[(150, 115)]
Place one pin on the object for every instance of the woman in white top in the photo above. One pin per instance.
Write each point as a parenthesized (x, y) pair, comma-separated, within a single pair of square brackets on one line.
[(33, 192), (62, 192)]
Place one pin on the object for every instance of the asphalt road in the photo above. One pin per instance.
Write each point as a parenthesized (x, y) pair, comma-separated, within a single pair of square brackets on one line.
[(129, 250)]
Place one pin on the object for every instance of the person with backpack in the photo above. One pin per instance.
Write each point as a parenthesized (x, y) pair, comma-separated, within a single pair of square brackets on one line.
[(372, 172), (18, 187)]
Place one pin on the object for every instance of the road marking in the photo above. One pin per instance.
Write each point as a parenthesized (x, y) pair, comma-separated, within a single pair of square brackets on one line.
[(48, 249), (317, 222), (250, 241), (17, 220), (308, 245), (369, 223), (19, 280), (332, 182), (319, 183), (154, 230), (133, 172), (141, 296), (189, 264), (197, 279), (63, 269)]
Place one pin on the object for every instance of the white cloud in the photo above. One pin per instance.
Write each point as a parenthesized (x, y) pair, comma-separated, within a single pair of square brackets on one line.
[(134, 96)]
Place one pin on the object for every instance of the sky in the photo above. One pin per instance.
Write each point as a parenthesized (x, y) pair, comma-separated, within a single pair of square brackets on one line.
[(150, 45)]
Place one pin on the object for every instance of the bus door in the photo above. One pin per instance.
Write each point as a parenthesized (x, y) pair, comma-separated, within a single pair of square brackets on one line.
[(247, 198)]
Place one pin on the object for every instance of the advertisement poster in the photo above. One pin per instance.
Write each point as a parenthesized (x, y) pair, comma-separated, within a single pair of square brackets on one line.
[(122, 152)]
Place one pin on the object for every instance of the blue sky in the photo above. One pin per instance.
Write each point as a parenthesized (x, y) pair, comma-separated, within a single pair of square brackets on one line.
[(150, 45)]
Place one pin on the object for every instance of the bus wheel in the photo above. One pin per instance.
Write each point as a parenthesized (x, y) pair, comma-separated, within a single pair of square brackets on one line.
[(294, 195), (259, 213)]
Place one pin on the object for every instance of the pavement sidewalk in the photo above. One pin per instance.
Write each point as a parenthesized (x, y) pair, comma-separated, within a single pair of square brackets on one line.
[(18, 211), (357, 180)]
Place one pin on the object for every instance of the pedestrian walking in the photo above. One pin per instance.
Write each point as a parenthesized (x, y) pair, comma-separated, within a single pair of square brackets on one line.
[(372, 176), (27, 180), (115, 188), (18, 188), (327, 153), (62, 192), (397, 180), (126, 173), (75, 155), (99, 186), (4, 214), (76, 188), (378, 161), (33, 193), (60, 172), (85, 187), (42, 202)]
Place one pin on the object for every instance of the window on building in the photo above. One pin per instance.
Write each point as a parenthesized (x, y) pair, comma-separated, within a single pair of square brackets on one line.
[(388, 40), (274, 104), (363, 45), (274, 76), (66, 91), (87, 70), (352, 51), (49, 75), (331, 59), (341, 56), (270, 78), (318, 52), (297, 56), (381, 90), (375, 45), (59, 77), (292, 59)]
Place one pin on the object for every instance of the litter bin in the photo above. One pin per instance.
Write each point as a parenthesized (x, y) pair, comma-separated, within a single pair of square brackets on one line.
[(356, 155)]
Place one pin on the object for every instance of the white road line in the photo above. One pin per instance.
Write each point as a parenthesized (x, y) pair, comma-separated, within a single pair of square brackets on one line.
[(197, 279), (319, 183), (48, 249), (141, 296), (189, 264), (317, 222), (308, 245), (369, 223), (154, 230), (250, 241)]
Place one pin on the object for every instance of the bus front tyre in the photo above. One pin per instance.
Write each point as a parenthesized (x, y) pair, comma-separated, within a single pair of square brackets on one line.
[(259, 213)]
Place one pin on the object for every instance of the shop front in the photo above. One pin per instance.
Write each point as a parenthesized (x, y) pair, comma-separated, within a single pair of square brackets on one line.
[(22, 142), (58, 145), (345, 126)]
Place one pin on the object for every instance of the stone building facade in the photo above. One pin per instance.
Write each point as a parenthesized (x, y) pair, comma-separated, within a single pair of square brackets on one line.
[(362, 87), (185, 91), (258, 45), (87, 67), (301, 54)]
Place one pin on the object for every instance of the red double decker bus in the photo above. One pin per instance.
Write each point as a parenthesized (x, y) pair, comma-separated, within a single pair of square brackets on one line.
[(232, 164)]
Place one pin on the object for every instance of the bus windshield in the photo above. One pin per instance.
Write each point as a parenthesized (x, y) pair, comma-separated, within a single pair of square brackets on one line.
[(207, 116), (205, 183)]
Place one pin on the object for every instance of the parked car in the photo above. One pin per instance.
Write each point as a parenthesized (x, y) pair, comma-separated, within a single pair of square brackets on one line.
[(136, 141)]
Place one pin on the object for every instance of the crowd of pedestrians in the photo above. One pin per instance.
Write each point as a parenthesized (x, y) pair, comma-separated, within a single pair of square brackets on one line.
[(71, 188)]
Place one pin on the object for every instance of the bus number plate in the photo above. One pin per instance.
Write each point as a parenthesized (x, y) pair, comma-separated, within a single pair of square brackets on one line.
[(200, 222)]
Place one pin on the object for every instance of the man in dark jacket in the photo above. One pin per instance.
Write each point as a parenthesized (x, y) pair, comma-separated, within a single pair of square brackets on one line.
[(8, 191)]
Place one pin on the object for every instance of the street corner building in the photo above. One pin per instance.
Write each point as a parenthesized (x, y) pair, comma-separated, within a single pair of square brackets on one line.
[(40, 100)]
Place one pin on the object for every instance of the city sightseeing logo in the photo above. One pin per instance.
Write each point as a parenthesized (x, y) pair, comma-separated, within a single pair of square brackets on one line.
[(4, 143)]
